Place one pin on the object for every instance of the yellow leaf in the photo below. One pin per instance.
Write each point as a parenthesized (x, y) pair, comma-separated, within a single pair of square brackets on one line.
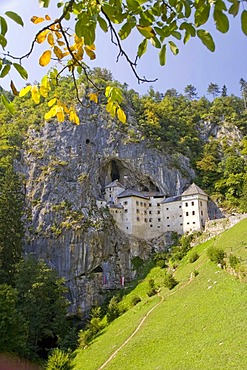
[(52, 112), (45, 86), (65, 54), (78, 40), (60, 114), (13, 88), (66, 109), (50, 39), (47, 17), (74, 118), (121, 115), (45, 58), (25, 90), (90, 52), (58, 52), (52, 102), (37, 20), (35, 94), (42, 36), (58, 34), (93, 97), (60, 43), (111, 108), (79, 54)]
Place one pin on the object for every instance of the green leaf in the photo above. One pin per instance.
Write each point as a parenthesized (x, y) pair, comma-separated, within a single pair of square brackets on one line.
[(142, 48), (162, 55), (202, 15), (147, 32), (4, 26), (3, 41), (8, 105), (125, 30), (189, 28), (44, 3), (155, 42), (22, 72), (177, 35), (5, 71), (244, 22), (174, 48), (103, 24), (15, 17), (206, 39), (221, 21), (234, 8)]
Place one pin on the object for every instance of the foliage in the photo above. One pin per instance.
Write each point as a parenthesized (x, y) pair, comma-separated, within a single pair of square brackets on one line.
[(135, 300), (233, 260), (42, 303), (216, 255), (11, 223), (137, 263), (169, 281), (59, 360), (152, 289), (159, 24), (193, 257), (14, 329), (113, 310)]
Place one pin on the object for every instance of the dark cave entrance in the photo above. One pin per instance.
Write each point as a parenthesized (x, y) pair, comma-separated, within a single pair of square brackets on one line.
[(115, 175)]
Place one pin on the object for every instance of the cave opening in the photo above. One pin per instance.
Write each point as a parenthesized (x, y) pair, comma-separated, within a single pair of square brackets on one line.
[(115, 175)]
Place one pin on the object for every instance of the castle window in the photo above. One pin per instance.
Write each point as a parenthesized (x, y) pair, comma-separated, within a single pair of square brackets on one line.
[(127, 228), (145, 220), (186, 204), (187, 213), (167, 209), (180, 215), (150, 204), (150, 212), (125, 202), (181, 224), (137, 211), (167, 217), (200, 203), (116, 211), (168, 225), (158, 212), (188, 223), (159, 219), (150, 220), (193, 213), (150, 225), (144, 204), (145, 212), (202, 213), (158, 204), (193, 223), (126, 211), (192, 203), (158, 227), (180, 206), (141, 204), (137, 218), (137, 203)]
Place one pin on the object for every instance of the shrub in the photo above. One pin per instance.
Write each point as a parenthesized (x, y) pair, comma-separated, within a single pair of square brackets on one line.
[(152, 289), (216, 255), (161, 263), (135, 299), (193, 257), (233, 260), (196, 272), (137, 263), (169, 281), (85, 337), (113, 310), (59, 360)]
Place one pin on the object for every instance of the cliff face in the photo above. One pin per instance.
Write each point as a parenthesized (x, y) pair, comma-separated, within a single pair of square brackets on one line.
[(66, 169)]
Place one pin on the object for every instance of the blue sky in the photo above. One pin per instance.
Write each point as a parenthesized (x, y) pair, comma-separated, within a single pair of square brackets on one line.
[(193, 65)]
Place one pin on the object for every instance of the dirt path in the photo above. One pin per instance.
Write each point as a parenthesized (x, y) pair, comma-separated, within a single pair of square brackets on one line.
[(142, 322), (134, 333)]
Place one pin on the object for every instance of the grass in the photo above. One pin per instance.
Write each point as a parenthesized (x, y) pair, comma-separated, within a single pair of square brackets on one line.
[(201, 324)]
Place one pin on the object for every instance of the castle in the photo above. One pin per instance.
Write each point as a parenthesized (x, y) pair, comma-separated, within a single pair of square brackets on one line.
[(149, 215)]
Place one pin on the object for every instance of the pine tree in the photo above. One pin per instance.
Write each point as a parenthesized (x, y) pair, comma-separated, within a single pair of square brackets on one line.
[(11, 224), (190, 92)]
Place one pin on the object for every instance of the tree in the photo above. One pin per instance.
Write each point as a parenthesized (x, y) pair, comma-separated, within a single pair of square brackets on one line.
[(13, 326), (11, 224), (224, 91), (213, 89), (42, 303), (190, 92), (243, 89), (158, 23)]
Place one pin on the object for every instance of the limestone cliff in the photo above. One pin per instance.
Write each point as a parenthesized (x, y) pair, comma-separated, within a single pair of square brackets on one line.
[(66, 169)]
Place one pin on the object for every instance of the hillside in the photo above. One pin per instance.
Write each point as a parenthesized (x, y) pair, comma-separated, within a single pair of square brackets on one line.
[(200, 324)]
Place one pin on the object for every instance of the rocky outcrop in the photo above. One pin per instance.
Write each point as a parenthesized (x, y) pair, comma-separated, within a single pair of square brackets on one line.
[(66, 169)]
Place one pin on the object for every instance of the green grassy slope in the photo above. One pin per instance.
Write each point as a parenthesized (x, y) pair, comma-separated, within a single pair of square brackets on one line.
[(201, 324)]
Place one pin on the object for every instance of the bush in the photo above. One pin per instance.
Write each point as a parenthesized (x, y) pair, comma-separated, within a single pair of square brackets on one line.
[(233, 260), (193, 257), (196, 272), (59, 360), (161, 263), (216, 255), (135, 299), (113, 310), (137, 263), (169, 281), (152, 289), (85, 337)]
